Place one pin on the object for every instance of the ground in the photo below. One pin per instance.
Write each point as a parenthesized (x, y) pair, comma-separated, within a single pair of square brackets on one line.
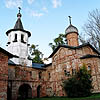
[(92, 97)]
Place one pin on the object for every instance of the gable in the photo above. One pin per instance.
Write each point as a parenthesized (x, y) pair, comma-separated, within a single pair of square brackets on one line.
[(74, 48)]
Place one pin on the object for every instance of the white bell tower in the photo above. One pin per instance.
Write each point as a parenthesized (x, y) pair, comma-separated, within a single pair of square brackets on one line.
[(18, 42)]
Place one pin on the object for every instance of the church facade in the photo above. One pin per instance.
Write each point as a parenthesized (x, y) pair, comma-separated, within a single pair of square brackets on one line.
[(20, 78)]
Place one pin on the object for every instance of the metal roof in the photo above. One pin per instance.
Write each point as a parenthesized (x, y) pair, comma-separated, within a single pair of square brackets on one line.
[(71, 29), (18, 24), (39, 66)]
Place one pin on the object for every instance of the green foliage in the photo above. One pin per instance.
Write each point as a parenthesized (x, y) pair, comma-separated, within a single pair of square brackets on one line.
[(58, 41), (37, 55), (79, 85)]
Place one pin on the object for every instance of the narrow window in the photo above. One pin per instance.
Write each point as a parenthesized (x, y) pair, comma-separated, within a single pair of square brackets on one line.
[(40, 73), (65, 72), (22, 38), (15, 40), (15, 36), (89, 69), (49, 75)]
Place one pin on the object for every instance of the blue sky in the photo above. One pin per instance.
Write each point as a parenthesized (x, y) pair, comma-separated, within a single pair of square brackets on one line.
[(45, 19)]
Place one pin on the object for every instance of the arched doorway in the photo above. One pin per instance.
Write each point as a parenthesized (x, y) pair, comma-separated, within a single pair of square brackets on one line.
[(24, 92), (38, 91)]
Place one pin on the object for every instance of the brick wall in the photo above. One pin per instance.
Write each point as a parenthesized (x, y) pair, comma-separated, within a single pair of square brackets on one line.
[(3, 76)]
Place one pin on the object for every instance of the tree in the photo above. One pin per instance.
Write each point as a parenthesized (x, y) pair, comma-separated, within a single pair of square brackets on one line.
[(37, 55), (79, 85), (92, 29), (60, 40)]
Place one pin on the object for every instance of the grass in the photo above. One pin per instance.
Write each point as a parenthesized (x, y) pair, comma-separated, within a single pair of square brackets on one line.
[(92, 97)]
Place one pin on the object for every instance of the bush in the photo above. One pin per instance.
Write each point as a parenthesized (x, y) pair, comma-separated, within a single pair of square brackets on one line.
[(79, 85)]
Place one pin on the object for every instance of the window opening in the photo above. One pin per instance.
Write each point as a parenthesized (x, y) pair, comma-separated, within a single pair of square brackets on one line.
[(49, 76), (40, 75), (67, 73), (15, 40), (22, 38)]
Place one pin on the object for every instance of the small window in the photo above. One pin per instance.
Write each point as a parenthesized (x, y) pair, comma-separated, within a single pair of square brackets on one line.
[(40, 75), (22, 37), (67, 73), (89, 68), (15, 40), (49, 75)]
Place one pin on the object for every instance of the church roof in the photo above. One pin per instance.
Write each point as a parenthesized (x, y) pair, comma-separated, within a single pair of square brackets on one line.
[(7, 53), (38, 66), (11, 62), (71, 29), (19, 26), (89, 56), (72, 47)]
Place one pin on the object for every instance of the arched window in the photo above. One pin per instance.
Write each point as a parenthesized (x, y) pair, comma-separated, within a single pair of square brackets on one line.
[(22, 38), (15, 39), (89, 68)]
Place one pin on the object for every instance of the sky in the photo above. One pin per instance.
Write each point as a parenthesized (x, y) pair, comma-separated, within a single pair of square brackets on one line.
[(45, 19)]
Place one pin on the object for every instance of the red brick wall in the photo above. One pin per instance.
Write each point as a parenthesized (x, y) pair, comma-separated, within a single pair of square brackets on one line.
[(3, 76), (72, 39)]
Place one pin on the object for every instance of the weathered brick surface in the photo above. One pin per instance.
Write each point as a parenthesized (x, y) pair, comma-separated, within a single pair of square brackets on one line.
[(53, 76), (3, 76), (64, 61), (68, 59), (72, 39)]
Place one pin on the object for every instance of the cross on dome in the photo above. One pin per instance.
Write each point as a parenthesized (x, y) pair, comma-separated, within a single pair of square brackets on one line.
[(70, 19), (19, 14)]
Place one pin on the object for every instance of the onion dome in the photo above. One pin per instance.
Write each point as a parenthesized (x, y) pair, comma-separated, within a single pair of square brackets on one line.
[(71, 29)]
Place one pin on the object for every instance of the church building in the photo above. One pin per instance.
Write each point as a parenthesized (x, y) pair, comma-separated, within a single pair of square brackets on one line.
[(21, 78)]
